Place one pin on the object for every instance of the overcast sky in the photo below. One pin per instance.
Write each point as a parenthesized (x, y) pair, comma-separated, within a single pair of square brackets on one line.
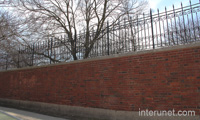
[(154, 4)]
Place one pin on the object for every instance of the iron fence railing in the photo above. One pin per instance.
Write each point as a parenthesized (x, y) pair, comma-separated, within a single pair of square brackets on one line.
[(142, 32)]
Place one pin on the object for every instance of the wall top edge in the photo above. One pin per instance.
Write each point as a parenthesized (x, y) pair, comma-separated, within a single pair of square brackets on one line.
[(172, 48)]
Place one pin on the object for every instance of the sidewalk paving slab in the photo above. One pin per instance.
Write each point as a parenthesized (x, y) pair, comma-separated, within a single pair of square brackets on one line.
[(15, 114)]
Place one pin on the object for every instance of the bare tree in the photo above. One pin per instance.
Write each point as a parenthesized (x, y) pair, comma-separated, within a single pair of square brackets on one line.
[(68, 17), (8, 37), (8, 32)]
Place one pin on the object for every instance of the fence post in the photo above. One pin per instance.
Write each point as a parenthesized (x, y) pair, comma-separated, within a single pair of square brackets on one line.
[(108, 42), (152, 28)]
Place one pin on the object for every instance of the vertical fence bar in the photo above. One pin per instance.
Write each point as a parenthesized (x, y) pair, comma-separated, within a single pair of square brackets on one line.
[(119, 36), (185, 35), (152, 28), (132, 35), (193, 20), (90, 51), (189, 27), (148, 31), (94, 44), (48, 48), (18, 57), (114, 41), (79, 48), (142, 36), (36, 48), (51, 45), (129, 39), (75, 43), (108, 42), (33, 52), (138, 33), (160, 27), (122, 40), (179, 31), (112, 51), (172, 32), (167, 24), (156, 34), (145, 30), (198, 24), (125, 36), (6, 61), (163, 27), (175, 25), (101, 51)]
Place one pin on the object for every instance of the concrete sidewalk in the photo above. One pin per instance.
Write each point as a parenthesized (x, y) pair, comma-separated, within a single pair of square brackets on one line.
[(15, 114), (5, 116)]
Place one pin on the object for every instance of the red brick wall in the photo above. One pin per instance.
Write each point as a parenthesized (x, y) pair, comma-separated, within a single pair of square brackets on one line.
[(157, 81)]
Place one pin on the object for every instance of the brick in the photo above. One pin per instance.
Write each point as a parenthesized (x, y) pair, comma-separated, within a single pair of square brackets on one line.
[(158, 80)]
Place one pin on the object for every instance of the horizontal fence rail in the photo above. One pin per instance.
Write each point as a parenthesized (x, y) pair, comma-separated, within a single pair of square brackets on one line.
[(142, 32)]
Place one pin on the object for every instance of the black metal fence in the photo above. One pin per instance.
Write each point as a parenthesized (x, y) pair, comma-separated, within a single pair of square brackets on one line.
[(142, 32)]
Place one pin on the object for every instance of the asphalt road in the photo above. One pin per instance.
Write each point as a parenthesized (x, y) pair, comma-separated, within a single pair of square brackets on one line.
[(15, 114)]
